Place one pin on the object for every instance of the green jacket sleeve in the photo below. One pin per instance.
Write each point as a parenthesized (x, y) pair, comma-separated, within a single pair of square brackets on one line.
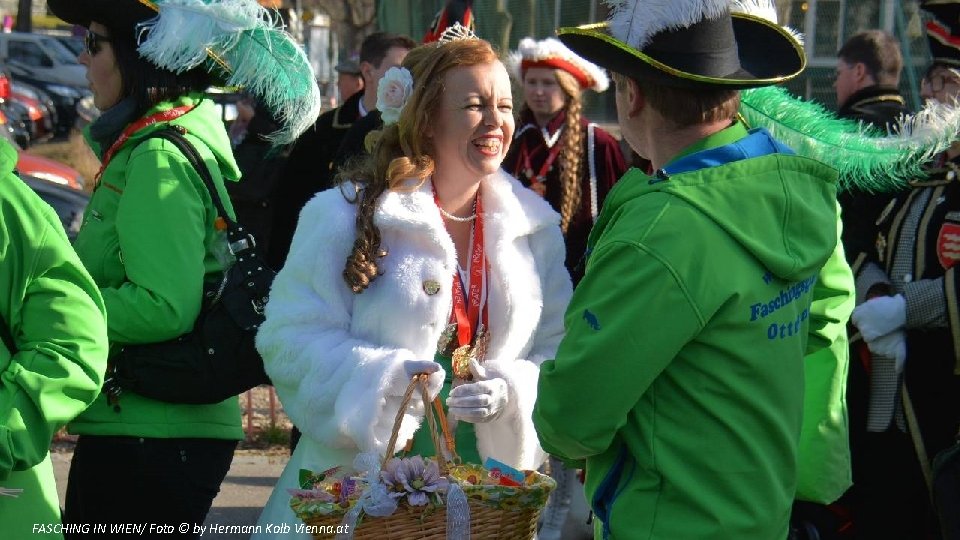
[(628, 318), (161, 223), (823, 467), (56, 318)]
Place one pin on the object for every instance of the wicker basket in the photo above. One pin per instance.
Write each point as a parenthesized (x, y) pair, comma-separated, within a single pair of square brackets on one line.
[(508, 516)]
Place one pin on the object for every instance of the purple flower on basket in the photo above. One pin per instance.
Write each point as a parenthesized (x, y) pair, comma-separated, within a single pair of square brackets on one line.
[(419, 478), (391, 479)]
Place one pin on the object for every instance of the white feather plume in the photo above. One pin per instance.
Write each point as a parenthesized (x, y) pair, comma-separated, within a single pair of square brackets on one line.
[(250, 47), (180, 35), (764, 9), (634, 22)]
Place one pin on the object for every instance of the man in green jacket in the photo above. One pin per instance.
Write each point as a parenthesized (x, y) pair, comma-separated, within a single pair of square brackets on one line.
[(681, 378), (53, 354)]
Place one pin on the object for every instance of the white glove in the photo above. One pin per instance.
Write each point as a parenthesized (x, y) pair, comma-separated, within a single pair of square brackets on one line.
[(435, 370), (480, 401), (880, 316), (892, 345)]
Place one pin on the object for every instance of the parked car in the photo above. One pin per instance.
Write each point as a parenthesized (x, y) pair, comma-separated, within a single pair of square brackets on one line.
[(13, 129), (74, 43), (45, 63), (62, 98), (69, 203), (44, 56), (49, 170), (13, 116), (40, 112)]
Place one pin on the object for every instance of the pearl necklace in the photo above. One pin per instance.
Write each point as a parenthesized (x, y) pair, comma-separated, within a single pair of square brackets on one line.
[(459, 219)]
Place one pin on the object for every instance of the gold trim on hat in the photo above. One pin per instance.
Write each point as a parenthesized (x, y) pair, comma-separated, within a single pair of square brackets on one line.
[(595, 30), (150, 5)]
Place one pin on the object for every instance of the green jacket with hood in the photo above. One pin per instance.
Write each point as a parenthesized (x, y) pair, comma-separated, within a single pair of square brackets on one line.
[(53, 316), (149, 241), (680, 379)]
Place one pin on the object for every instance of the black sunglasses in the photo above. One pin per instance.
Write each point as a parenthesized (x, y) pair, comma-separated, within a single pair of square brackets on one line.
[(92, 42)]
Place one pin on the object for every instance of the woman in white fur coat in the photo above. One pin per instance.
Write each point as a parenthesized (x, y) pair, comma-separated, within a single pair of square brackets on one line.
[(374, 269)]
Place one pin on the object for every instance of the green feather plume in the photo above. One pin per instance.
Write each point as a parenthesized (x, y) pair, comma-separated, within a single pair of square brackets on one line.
[(245, 45), (866, 157)]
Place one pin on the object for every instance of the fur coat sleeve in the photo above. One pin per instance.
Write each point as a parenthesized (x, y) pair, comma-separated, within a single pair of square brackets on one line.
[(336, 386)]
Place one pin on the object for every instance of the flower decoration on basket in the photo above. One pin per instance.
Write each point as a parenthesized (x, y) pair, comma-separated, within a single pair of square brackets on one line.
[(393, 93), (415, 478), (413, 482), (416, 497)]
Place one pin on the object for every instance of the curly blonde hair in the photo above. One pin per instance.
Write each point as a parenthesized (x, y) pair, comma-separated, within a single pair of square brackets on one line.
[(403, 151)]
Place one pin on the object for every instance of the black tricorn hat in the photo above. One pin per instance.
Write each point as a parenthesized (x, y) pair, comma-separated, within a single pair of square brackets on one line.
[(943, 31), (690, 44), (114, 13)]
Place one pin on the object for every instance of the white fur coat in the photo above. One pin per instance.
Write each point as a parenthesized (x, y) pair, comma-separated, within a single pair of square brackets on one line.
[(336, 358)]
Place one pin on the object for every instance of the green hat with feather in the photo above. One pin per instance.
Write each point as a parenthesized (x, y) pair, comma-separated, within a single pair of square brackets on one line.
[(239, 42)]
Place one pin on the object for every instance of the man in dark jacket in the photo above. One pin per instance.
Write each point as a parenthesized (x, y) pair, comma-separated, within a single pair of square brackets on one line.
[(867, 76), (310, 167)]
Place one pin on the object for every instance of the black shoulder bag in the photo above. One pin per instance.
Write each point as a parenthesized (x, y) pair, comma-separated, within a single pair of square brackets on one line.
[(217, 359)]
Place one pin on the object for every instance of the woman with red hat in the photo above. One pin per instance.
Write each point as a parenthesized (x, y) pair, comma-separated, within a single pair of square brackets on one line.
[(556, 151)]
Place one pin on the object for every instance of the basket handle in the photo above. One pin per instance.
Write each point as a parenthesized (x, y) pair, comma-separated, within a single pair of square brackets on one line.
[(420, 380)]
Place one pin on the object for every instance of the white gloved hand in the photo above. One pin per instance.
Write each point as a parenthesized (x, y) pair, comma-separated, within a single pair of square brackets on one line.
[(880, 316), (892, 345), (435, 370), (480, 401)]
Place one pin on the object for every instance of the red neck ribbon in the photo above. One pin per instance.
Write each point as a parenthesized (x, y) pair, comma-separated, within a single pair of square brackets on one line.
[(162, 116), (468, 310)]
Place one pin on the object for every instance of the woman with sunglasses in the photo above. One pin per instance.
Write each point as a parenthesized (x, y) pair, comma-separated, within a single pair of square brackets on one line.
[(908, 316), (151, 239)]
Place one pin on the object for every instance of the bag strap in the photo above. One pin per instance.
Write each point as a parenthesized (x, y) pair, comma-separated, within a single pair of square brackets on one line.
[(238, 238)]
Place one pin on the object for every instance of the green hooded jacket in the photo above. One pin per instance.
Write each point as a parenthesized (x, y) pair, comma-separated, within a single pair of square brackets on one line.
[(681, 377), (149, 241), (52, 312)]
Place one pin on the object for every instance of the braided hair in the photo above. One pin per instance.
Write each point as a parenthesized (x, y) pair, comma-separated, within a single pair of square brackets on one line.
[(572, 153)]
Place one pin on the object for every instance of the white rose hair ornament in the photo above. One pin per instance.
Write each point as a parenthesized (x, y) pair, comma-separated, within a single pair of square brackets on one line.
[(393, 93), (552, 54), (239, 42)]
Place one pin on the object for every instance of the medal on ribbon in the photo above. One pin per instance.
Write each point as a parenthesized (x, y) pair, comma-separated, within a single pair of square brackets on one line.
[(461, 362), (469, 317)]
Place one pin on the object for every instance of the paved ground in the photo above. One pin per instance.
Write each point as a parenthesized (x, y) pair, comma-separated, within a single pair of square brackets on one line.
[(242, 495)]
